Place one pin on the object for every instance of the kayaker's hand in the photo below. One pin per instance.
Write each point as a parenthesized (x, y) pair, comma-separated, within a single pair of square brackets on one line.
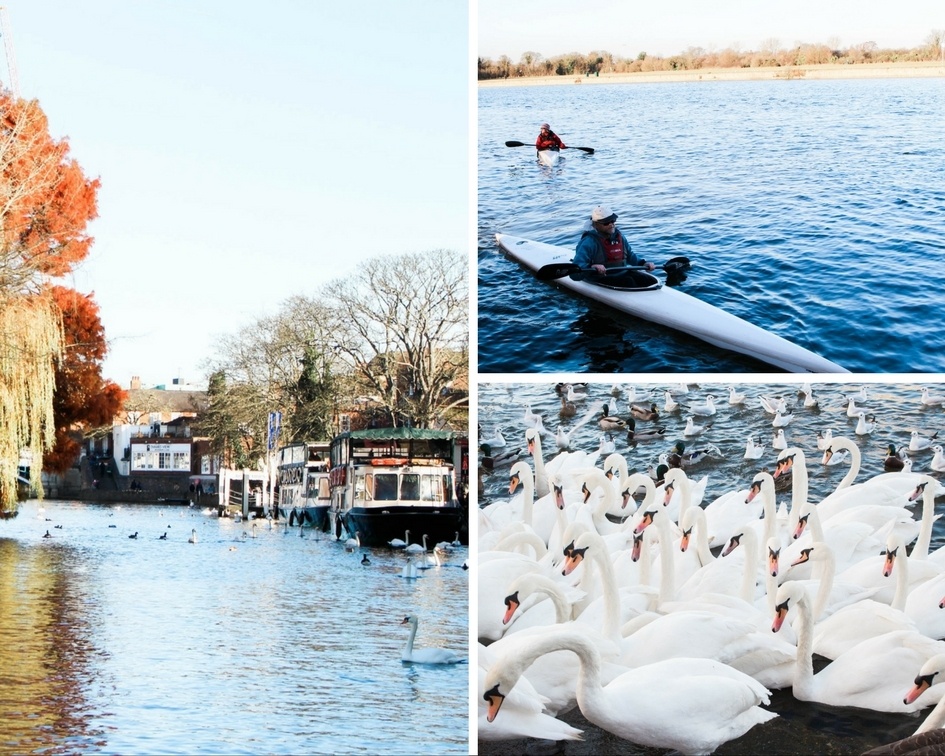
[(650, 266), (601, 270)]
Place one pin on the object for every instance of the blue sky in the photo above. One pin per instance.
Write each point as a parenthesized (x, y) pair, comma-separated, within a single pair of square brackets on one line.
[(628, 27), (248, 152)]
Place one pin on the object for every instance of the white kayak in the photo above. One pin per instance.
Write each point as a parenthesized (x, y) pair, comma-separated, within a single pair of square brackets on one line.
[(675, 309), (549, 157)]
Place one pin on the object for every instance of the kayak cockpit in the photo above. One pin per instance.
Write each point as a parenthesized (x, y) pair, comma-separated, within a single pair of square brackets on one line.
[(625, 280)]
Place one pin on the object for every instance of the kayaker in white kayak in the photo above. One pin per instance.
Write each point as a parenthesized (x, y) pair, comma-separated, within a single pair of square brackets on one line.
[(603, 245), (548, 140)]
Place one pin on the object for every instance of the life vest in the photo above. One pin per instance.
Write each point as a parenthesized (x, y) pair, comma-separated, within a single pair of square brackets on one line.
[(613, 250)]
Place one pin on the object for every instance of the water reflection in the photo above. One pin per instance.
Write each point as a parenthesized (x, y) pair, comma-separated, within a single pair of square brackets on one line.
[(235, 644), (46, 650)]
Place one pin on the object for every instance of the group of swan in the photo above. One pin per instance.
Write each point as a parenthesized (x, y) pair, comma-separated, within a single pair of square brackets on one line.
[(587, 598)]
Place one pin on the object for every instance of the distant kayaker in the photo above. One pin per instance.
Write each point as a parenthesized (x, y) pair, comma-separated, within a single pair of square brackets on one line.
[(548, 140), (603, 245)]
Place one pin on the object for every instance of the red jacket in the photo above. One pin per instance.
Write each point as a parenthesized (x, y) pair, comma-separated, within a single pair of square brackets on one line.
[(551, 141)]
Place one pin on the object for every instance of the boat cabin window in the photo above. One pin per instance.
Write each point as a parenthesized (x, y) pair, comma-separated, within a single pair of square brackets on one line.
[(385, 487)]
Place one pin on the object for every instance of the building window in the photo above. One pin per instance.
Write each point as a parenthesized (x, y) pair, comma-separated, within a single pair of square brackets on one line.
[(181, 461)]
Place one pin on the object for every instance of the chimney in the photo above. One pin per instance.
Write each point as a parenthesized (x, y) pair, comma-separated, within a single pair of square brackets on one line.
[(135, 382)]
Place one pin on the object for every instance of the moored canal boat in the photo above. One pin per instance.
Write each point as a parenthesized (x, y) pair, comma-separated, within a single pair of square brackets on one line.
[(387, 481)]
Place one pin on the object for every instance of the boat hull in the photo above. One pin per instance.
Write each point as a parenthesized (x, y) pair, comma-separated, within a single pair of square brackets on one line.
[(549, 157), (377, 527), (310, 516), (679, 311)]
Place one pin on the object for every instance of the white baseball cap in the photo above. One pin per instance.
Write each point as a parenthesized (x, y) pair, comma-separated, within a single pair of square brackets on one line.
[(602, 214)]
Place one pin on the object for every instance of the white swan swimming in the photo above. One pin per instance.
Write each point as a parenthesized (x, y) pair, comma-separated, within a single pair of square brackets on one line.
[(426, 655), (409, 570), (523, 714), (690, 705), (193, 536), (871, 675)]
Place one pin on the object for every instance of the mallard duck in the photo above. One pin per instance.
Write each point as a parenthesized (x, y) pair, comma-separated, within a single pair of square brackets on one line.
[(679, 457), (633, 435), (568, 408), (893, 461), (640, 412), (610, 422)]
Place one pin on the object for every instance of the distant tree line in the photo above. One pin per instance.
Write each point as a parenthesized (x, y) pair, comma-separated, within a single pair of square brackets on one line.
[(771, 54)]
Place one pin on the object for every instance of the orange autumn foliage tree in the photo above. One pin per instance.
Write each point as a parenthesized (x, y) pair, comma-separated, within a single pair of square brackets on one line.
[(83, 399), (46, 204)]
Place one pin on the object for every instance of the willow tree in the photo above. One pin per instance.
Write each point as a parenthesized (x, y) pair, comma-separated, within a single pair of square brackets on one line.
[(46, 204)]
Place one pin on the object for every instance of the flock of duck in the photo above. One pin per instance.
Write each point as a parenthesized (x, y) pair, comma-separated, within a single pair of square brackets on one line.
[(668, 615)]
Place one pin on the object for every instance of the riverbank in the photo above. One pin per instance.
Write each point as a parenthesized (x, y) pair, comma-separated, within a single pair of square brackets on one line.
[(835, 71)]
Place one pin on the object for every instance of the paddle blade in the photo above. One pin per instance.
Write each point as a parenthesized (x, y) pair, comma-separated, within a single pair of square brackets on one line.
[(515, 144), (588, 150), (556, 270)]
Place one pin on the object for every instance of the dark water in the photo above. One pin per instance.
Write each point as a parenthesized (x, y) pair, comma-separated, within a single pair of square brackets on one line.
[(275, 644), (813, 209), (801, 728)]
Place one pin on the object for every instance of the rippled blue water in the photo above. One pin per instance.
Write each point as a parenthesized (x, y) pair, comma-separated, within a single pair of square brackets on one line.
[(814, 209), (896, 407), (275, 644)]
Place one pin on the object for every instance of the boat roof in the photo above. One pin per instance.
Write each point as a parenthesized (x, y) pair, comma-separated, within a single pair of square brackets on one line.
[(427, 434)]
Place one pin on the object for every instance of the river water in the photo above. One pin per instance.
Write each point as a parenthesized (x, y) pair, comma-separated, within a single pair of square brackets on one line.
[(252, 640), (801, 728), (814, 209)]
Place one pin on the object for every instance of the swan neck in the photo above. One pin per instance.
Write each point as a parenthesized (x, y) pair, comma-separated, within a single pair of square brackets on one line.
[(921, 548)]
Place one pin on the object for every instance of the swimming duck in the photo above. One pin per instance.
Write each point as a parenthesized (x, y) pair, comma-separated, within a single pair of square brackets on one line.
[(633, 435), (641, 412), (568, 408), (893, 461), (679, 457), (610, 422)]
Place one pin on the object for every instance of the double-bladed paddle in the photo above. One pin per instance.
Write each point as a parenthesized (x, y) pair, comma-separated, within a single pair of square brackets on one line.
[(673, 266), (588, 150)]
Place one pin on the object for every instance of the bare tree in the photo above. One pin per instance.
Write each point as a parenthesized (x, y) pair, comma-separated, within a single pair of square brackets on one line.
[(403, 327)]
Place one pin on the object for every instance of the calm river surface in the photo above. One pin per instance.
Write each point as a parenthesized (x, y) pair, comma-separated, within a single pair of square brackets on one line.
[(252, 640), (801, 728), (814, 209)]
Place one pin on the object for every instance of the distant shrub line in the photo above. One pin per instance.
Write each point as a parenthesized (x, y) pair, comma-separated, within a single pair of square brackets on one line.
[(695, 58)]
